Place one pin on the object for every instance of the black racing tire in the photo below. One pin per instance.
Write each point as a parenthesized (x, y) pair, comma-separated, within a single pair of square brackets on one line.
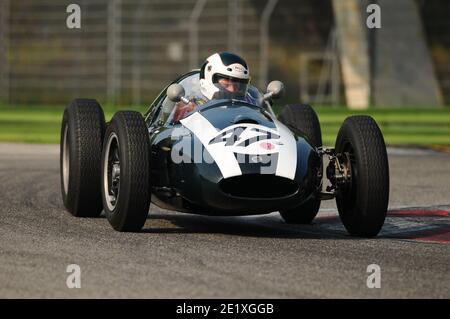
[(126, 200), (302, 118), (82, 129), (363, 203)]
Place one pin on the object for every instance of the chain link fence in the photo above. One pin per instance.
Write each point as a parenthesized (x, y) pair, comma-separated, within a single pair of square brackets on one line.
[(127, 50)]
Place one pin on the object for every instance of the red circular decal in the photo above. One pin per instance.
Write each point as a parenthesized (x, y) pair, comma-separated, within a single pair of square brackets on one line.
[(267, 146)]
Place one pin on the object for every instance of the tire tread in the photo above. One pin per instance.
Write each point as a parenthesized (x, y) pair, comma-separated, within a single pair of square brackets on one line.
[(84, 196)]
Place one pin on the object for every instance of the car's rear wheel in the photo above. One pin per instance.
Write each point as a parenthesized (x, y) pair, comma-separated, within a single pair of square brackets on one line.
[(363, 201), (303, 119), (126, 172), (82, 132)]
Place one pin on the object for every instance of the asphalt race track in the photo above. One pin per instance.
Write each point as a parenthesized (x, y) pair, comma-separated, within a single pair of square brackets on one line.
[(189, 256)]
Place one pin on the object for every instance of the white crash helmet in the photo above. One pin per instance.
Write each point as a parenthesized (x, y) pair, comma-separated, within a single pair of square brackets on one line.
[(224, 65)]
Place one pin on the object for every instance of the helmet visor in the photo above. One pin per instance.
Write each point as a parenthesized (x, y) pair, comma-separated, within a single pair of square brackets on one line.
[(230, 87)]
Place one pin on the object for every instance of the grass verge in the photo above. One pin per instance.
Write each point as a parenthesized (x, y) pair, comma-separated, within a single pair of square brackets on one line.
[(400, 126)]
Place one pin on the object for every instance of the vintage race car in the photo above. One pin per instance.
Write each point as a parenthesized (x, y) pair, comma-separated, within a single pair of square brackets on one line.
[(224, 157)]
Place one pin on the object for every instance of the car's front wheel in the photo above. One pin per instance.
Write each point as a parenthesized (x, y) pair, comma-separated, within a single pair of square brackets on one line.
[(126, 172), (363, 200)]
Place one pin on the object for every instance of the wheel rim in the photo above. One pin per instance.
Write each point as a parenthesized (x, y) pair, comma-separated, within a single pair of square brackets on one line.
[(66, 159), (349, 190), (111, 172)]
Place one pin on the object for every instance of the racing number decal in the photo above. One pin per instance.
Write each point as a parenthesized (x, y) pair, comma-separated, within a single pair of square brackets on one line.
[(248, 139), (233, 135)]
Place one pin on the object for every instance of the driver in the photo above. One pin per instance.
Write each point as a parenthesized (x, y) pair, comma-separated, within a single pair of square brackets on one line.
[(224, 75)]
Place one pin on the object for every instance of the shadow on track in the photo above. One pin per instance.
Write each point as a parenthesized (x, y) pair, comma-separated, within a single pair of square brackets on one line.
[(268, 226)]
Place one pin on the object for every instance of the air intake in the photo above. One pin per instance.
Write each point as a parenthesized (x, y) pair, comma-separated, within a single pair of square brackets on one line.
[(258, 186)]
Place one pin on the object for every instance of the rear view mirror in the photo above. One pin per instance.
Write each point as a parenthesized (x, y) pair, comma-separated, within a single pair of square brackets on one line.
[(275, 89), (175, 93)]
